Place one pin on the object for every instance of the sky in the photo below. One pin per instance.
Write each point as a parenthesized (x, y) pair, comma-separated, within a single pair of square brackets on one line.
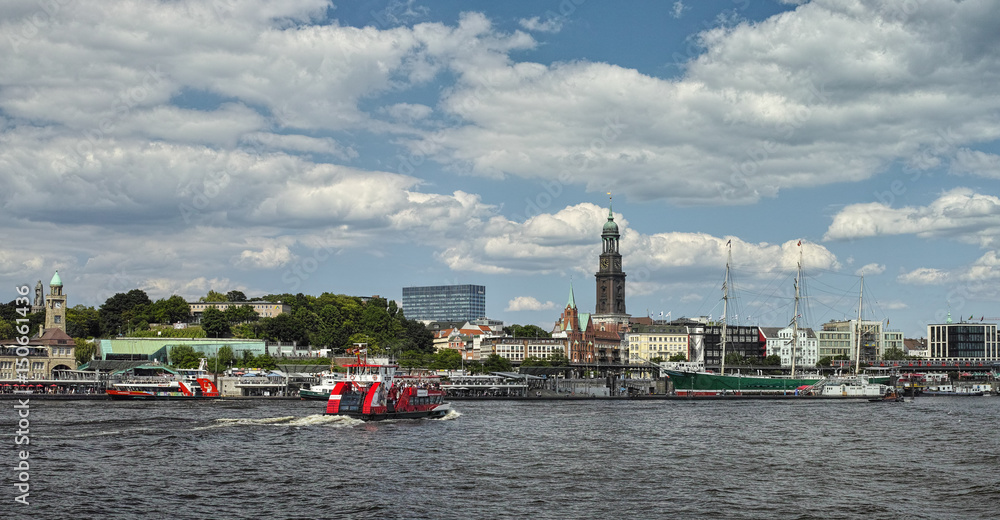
[(357, 148)]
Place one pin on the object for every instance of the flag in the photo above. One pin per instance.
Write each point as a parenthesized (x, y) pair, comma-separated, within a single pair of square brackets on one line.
[(971, 316), (730, 242), (800, 242), (983, 317)]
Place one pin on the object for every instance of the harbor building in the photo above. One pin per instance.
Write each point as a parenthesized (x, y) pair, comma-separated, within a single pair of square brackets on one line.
[(158, 349), (445, 303), (963, 340), (516, 349), (780, 342), (51, 351), (663, 341), (745, 340), (839, 338), (263, 309)]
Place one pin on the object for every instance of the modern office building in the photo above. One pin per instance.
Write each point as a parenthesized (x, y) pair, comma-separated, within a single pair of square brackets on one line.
[(963, 340), (445, 302)]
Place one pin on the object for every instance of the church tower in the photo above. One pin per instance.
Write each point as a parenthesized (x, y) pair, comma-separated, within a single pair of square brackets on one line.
[(610, 277), (55, 305)]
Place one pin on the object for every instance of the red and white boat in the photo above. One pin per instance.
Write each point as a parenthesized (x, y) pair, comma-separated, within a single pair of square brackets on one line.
[(185, 384), (373, 392)]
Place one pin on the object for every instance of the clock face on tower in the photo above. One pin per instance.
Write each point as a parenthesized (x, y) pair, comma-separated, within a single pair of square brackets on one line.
[(58, 305), (618, 263), (604, 263)]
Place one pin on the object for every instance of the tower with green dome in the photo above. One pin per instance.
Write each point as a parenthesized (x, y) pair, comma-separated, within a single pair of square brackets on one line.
[(55, 305), (610, 277)]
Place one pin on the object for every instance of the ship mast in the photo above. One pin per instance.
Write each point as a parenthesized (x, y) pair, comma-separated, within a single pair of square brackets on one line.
[(857, 352), (795, 316), (725, 304)]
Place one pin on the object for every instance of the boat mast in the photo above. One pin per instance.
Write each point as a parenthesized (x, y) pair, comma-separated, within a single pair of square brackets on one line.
[(795, 317), (725, 305), (857, 352)]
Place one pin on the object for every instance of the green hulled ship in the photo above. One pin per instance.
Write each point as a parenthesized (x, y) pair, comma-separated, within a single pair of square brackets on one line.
[(706, 383)]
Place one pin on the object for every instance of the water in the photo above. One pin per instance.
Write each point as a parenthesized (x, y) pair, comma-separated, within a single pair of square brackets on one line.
[(932, 458)]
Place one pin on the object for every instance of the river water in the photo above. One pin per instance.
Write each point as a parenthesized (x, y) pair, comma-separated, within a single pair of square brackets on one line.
[(933, 458)]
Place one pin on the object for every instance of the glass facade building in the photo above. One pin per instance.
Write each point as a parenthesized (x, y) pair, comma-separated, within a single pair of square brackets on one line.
[(445, 302)]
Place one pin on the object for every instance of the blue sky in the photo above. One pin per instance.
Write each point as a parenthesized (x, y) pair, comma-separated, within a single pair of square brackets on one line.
[(308, 146)]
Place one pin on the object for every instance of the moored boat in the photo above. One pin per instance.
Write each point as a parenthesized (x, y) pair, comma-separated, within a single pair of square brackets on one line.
[(374, 392), (166, 384), (321, 390)]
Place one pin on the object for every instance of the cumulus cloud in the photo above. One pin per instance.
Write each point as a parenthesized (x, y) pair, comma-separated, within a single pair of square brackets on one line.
[(528, 303), (870, 269), (959, 214), (767, 106)]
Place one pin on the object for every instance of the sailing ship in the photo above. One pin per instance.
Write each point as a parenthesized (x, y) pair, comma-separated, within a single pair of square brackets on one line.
[(704, 383)]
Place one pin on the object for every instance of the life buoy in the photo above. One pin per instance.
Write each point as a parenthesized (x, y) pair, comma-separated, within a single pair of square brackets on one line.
[(354, 377)]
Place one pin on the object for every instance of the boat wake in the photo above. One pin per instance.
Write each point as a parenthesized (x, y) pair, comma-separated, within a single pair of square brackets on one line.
[(450, 416), (290, 420)]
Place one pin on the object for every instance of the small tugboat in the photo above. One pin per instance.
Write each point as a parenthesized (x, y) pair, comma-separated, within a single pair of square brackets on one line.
[(187, 384), (892, 396), (373, 392)]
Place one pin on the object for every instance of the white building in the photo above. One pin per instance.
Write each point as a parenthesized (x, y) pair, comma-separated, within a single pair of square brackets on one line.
[(780, 343)]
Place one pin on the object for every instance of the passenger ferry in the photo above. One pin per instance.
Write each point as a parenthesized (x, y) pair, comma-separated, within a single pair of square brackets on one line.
[(374, 392), (185, 384)]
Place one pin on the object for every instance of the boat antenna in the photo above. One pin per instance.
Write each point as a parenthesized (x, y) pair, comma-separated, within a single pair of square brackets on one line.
[(725, 304)]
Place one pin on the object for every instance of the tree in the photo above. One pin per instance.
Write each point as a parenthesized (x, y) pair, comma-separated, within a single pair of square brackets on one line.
[(893, 354), (171, 310), (677, 358), (534, 361), (122, 311), (83, 322), (656, 360), (448, 359), (184, 356), (526, 331), (772, 360), (283, 327), (215, 324), (558, 359), (236, 296), (84, 351), (213, 296), (495, 363), (412, 359)]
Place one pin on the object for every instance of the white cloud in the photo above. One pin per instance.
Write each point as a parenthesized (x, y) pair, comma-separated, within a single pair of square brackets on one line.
[(924, 276), (826, 93), (678, 9), (975, 162), (528, 303), (870, 269), (551, 25), (268, 257), (959, 214)]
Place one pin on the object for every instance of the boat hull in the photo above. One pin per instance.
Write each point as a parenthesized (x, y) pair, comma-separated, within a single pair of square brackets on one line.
[(700, 383), (436, 413), (313, 395)]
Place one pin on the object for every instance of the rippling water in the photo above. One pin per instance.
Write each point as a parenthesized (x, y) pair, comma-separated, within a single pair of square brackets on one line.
[(931, 458)]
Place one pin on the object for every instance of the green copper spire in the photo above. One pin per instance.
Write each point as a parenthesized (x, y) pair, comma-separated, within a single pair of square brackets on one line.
[(56, 280), (610, 228), (572, 299)]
